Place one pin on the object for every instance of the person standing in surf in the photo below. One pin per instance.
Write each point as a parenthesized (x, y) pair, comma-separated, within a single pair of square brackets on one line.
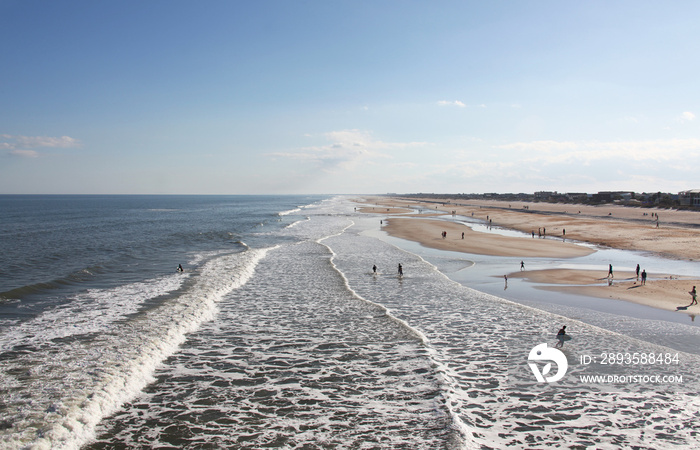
[(561, 336), (400, 270)]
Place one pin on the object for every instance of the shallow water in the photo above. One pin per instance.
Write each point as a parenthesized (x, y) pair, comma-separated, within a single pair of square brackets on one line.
[(279, 335)]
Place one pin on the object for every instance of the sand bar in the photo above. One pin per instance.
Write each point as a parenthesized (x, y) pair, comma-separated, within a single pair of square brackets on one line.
[(429, 233), (626, 228), (663, 291), (631, 229)]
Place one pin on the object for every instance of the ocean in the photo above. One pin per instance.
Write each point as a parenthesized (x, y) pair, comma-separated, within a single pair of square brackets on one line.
[(278, 334)]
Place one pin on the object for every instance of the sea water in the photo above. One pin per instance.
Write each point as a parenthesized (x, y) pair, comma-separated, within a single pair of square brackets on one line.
[(279, 334)]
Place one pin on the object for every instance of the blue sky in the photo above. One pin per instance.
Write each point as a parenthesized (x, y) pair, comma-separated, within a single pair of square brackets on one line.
[(360, 97)]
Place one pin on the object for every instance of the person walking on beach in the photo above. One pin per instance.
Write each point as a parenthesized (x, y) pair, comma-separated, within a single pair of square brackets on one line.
[(637, 272), (522, 265), (400, 270), (694, 295), (560, 337), (610, 272), (644, 276)]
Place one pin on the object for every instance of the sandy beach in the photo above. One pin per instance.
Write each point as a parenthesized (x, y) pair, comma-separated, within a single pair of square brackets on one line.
[(461, 238), (613, 226)]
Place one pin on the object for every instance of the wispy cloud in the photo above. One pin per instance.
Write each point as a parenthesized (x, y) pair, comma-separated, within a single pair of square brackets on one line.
[(452, 103), (346, 149), (24, 145), (687, 116), (25, 153)]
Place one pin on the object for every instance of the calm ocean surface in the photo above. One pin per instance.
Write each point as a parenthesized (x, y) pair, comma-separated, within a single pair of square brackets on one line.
[(278, 335)]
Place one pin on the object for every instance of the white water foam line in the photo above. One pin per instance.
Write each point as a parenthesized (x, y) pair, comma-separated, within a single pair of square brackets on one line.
[(92, 311), (151, 340), (458, 425)]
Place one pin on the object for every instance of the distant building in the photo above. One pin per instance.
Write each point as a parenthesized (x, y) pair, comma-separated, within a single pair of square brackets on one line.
[(544, 195), (690, 198), (602, 197)]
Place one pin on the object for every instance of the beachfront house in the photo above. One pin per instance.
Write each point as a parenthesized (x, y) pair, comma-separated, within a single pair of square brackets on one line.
[(690, 198)]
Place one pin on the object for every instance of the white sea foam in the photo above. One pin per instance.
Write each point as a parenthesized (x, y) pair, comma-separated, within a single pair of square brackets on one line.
[(90, 381), (89, 312), (291, 211), (294, 224), (479, 343), (293, 359)]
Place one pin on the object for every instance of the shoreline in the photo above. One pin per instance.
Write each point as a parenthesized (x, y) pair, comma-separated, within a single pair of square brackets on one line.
[(664, 291), (614, 226)]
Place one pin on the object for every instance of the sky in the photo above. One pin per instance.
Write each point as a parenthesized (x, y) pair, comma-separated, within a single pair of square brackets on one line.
[(348, 97)]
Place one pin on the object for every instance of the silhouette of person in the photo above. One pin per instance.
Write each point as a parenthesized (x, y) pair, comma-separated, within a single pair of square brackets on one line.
[(560, 337)]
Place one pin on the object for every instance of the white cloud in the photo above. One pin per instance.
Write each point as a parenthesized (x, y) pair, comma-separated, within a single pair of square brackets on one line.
[(25, 153), (346, 149), (451, 103), (22, 145)]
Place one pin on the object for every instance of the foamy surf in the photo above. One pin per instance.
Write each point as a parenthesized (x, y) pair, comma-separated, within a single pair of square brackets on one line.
[(81, 386)]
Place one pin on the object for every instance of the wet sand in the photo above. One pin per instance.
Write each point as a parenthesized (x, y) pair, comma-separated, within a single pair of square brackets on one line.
[(429, 233), (612, 226), (662, 291), (626, 228)]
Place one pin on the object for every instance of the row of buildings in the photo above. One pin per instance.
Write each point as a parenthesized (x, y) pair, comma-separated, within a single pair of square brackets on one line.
[(683, 199), (689, 198)]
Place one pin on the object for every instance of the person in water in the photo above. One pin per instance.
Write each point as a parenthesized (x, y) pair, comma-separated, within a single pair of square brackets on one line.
[(560, 337), (179, 268), (400, 270), (374, 268)]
